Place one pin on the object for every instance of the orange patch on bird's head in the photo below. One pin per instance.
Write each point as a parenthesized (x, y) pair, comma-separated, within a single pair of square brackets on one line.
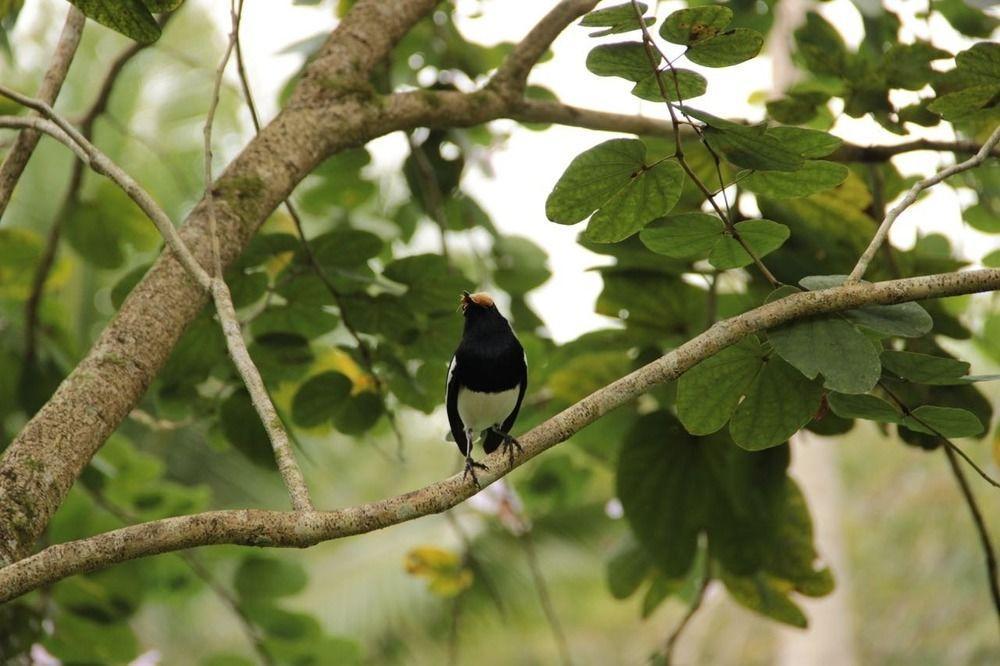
[(482, 299)]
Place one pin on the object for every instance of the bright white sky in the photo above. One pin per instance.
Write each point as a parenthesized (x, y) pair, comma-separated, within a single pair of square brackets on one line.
[(532, 161)]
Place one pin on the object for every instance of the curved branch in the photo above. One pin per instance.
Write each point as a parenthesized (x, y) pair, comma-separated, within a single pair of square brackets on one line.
[(512, 75), (306, 528), (17, 159), (911, 197)]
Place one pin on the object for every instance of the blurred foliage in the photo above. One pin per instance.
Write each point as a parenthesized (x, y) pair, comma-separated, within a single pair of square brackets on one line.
[(353, 338)]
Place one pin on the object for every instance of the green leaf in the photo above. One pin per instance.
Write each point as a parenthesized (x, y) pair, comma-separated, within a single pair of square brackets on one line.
[(679, 84), (780, 401), (627, 569), (725, 49), (242, 427), (832, 347), (806, 142), (908, 320), (751, 148), (627, 60), (129, 17), (766, 595), (433, 285), (359, 413), (306, 320), (665, 489), (821, 47), (863, 406), (281, 355), (708, 393), (814, 176), (948, 421), (613, 179), (696, 24), (763, 237), (992, 260), (521, 265), (982, 218), (924, 368), (966, 18), (259, 578), (21, 250), (616, 19), (319, 398), (345, 248), (967, 103), (684, 236)]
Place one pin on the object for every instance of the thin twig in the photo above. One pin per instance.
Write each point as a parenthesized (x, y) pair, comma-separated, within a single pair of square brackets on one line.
[(544, 598), (477, 568), (104, 165), (433, 197), (289, 469), (45, 263), (668, 648), (652, 52), (911, 197), (946, 441), (984, 535), (18, 156)]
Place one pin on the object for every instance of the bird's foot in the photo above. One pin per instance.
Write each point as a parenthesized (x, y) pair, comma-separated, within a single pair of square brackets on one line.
[(470, 469), (508, 443)]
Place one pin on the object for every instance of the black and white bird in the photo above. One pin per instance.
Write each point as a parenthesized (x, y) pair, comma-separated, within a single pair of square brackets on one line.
[(486, 381)]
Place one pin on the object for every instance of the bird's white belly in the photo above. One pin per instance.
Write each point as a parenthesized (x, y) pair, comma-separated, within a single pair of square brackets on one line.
[(480, 411)]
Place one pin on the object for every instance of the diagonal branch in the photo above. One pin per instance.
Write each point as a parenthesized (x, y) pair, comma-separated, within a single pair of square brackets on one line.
[(512, 76), (911, 197), (17, 159), (306, 528)]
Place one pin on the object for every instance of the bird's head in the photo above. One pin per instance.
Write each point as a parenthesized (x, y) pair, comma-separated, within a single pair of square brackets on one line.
[(474, 304)]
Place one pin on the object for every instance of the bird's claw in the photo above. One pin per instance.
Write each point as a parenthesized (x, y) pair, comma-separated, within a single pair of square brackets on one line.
[(470, 469), (508, 443)]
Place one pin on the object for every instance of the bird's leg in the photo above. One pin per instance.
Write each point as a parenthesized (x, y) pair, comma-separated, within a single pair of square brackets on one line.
[(470, 464), (508, 443)]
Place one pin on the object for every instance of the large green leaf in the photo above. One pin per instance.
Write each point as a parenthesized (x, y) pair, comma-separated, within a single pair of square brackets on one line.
[(925, 368), (908, 320), (695, 24), (708, 393), (779, 402), (814, 176), (807, 143), (129, 17), (832, 347), (767, 595), (613, 179), (948, 421), (319, 398), (345, 248), (433, 285), (752, 148), (727, 48), (763, 237), (242, 427), (259, 577), (863, 406), (684, 236), (627, 60), (678, 84), (617, 19)]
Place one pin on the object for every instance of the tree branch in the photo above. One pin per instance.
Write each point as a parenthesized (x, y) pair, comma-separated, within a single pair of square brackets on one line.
[(17, 159), (512, 76), (992, 576), (324, 116), (911, 197), (306, 528)]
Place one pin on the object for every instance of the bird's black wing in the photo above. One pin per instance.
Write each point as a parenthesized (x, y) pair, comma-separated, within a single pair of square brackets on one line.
[(451, 404), (493, 440)]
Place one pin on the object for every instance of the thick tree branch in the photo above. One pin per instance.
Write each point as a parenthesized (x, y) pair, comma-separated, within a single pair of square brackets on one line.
[(306, 528), (17, 159), (911, 197)]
